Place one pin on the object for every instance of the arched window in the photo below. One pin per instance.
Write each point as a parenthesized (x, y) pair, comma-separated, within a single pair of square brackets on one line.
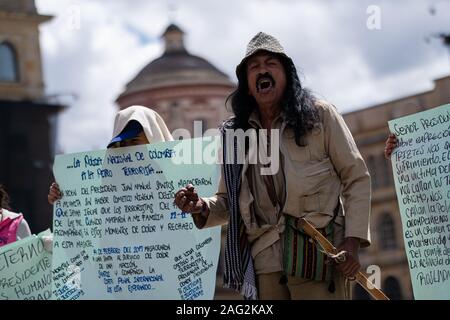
[(380, 172), (201, 123), (372, 166), (174, 112), (384, 172), (392, 288), (386, 232), (8, 63)]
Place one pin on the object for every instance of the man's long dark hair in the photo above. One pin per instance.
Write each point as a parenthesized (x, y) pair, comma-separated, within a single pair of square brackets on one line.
[(297, 107), (4, 198)]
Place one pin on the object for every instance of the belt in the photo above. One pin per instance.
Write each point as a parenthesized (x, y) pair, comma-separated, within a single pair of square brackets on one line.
[(266, 235)]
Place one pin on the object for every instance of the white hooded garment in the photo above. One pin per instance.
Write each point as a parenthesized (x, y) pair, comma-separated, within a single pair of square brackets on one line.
[(155, 128)]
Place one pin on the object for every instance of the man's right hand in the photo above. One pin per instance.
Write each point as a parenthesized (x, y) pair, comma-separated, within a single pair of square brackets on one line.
[(187, 200), (391, 144), (54, 193)]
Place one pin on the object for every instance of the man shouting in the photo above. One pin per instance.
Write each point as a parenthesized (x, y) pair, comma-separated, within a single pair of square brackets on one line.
[(321, 177)]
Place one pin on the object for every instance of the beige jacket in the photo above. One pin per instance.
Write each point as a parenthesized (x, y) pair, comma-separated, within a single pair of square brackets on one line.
[(328, 167)]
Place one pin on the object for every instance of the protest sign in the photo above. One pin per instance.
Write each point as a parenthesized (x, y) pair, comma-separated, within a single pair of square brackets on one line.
[(117, 232), (25, 270), (421, 167)]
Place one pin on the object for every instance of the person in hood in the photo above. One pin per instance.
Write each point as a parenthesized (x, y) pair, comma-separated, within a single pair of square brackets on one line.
[(267, 256), (135, 125)]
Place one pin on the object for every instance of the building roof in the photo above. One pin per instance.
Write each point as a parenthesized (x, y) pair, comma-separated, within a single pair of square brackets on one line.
[(21, 9), (18, 6), (54, 107), (176, 67), (172, 28), (399, 99), (177, 61)]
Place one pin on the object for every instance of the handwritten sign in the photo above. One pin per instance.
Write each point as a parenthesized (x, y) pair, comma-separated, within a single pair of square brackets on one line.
[(117, 232), (421, 166), (25, 270)]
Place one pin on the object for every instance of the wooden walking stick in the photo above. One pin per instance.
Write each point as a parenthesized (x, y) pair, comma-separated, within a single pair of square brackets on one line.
[(331, 251)]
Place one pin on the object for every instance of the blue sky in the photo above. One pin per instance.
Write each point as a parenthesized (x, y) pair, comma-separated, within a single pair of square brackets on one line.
[(92, 48)]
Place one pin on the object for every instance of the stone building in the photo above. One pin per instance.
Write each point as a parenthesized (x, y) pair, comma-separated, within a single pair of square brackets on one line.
[(27, 120), (180, 86), (370, 130)]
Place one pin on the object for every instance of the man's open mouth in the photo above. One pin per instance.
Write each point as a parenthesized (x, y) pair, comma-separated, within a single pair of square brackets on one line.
[(264, 83)]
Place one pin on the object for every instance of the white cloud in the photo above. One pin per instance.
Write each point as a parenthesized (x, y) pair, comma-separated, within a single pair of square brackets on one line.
[(94, 62), (339, 58)]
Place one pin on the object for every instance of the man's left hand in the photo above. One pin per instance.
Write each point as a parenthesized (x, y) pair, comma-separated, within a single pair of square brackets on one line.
[(350, 266)]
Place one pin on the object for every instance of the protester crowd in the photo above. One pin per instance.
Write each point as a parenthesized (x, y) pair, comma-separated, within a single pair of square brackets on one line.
[(318, 157)]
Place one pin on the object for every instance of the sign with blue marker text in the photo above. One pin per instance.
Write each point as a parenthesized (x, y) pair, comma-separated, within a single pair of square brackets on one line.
[(25, 270), (117, 232), (421, 167)]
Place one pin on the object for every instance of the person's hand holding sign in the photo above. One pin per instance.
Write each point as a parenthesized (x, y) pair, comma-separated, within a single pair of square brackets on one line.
[(390, 145), (188, 201), (54, 193)]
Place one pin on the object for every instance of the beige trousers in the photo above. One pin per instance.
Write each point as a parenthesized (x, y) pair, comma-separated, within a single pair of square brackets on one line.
[(269, 288)]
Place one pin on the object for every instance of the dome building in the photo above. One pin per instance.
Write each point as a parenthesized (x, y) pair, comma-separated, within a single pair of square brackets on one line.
[(180, 86)]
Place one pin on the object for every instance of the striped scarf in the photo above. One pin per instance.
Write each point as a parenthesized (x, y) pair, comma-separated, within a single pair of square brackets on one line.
[(239, 273)]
